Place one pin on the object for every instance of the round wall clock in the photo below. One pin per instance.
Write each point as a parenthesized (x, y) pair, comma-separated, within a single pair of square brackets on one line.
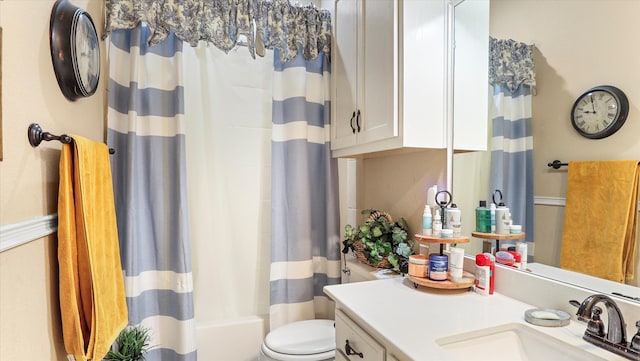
[(600, 112), (75, 50)]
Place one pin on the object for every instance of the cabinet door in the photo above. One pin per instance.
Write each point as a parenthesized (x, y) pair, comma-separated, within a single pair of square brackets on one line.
[(358, 340), (344, 64), (379, 70)]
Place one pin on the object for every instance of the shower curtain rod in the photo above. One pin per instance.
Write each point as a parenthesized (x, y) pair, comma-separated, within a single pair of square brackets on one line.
[(36, 135)]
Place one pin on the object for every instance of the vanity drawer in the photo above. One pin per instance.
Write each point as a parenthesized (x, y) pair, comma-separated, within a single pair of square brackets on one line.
[(359, 340)]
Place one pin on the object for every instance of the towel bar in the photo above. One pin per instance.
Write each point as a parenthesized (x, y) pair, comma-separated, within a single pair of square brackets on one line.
[(556, 164), (36, 136)]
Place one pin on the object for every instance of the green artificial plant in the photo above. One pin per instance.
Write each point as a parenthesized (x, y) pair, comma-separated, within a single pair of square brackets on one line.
[(130, 345), (381, 238)]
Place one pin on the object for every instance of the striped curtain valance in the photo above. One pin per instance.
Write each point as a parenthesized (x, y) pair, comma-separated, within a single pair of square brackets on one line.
[(278, 24)]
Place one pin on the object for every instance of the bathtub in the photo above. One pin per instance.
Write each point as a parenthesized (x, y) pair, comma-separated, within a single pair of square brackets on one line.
[(240, 339), (231, 340)]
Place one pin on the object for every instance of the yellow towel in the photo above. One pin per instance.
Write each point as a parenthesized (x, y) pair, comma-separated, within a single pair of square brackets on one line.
[(92, 299), (601, 214)]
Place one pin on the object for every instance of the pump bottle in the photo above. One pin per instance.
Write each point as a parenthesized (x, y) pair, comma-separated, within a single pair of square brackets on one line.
[(437, 224), (427, 221)]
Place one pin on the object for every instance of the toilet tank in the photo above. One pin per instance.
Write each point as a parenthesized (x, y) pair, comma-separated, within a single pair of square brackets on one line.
[(358, 271)]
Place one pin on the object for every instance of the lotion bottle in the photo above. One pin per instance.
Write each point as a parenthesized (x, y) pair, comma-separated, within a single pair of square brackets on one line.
[(483, 274), (454, 222), (521, 247), (503, 219), (427, 221), (456, 263)]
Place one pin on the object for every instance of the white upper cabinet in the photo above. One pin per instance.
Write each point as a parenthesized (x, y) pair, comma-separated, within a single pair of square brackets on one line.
[(390, 76), (362, 67)]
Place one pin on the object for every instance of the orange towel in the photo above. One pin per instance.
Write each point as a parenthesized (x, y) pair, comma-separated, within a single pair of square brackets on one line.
[(601, 214), (92, 299)]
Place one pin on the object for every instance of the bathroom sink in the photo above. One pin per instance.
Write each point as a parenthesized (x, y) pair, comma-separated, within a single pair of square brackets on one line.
[(512, 341)]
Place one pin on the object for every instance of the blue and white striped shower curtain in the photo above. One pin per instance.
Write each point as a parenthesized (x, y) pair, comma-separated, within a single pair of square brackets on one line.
[(512, 153), (146, 128), (305, 252), (512, 76)]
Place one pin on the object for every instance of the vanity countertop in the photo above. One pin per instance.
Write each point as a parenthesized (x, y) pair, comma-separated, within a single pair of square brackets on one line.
[(410, 320)]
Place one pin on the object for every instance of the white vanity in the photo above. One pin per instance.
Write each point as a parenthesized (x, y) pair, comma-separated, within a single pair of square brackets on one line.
[(392, 320)]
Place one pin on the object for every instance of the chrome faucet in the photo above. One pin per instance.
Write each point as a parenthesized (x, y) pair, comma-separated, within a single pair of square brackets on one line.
[(615, 339)]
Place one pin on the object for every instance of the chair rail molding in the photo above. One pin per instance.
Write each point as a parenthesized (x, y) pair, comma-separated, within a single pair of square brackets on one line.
[(556, 201), (549, 201), (16, 234)]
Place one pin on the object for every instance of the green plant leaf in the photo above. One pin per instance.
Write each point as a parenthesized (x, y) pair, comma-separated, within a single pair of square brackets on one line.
[(404, 250), (130, 345), (377, 232), (399, 235), (393, 259)]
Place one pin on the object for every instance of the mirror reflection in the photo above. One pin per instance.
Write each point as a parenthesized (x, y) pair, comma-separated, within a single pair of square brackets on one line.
[(571, 55)]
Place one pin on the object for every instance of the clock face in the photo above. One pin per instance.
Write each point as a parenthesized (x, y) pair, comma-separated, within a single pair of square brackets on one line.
[(87, 55), (599, 112)]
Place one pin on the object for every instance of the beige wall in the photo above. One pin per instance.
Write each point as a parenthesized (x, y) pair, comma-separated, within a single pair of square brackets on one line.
[(398, 184), (29, 310), (579, 44)]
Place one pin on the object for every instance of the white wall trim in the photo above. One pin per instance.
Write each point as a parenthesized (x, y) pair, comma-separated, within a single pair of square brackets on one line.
[(556, 201), (16, 234), (549, 201)]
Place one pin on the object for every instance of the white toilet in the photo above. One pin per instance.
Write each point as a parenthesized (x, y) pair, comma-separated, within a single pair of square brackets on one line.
[(312, 340)]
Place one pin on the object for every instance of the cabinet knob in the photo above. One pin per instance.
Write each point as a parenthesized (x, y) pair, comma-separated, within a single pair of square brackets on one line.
[(350, 351)]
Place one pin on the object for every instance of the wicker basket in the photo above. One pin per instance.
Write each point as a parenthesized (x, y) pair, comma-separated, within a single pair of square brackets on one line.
[(361, 256), (359, 246)]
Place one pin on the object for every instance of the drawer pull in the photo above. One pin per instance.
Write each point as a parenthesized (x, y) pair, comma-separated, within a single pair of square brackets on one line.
[(351, 122), (350, 351)]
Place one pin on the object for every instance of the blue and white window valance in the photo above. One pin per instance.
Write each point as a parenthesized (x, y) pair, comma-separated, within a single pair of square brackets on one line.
[(511, 64), (269, 24)]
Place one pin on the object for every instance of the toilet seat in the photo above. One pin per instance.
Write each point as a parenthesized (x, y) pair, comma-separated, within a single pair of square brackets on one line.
[(309, 340)]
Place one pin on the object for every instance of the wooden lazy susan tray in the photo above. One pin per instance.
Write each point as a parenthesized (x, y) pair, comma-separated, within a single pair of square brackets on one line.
[(467, 281)]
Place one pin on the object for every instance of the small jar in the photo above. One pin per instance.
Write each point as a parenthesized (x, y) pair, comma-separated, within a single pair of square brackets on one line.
[(515, 229), (446, 233), (419, 265), (438, 266)]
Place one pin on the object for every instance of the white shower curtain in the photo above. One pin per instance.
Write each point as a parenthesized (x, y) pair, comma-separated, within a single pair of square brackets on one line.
[(228, 107)]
